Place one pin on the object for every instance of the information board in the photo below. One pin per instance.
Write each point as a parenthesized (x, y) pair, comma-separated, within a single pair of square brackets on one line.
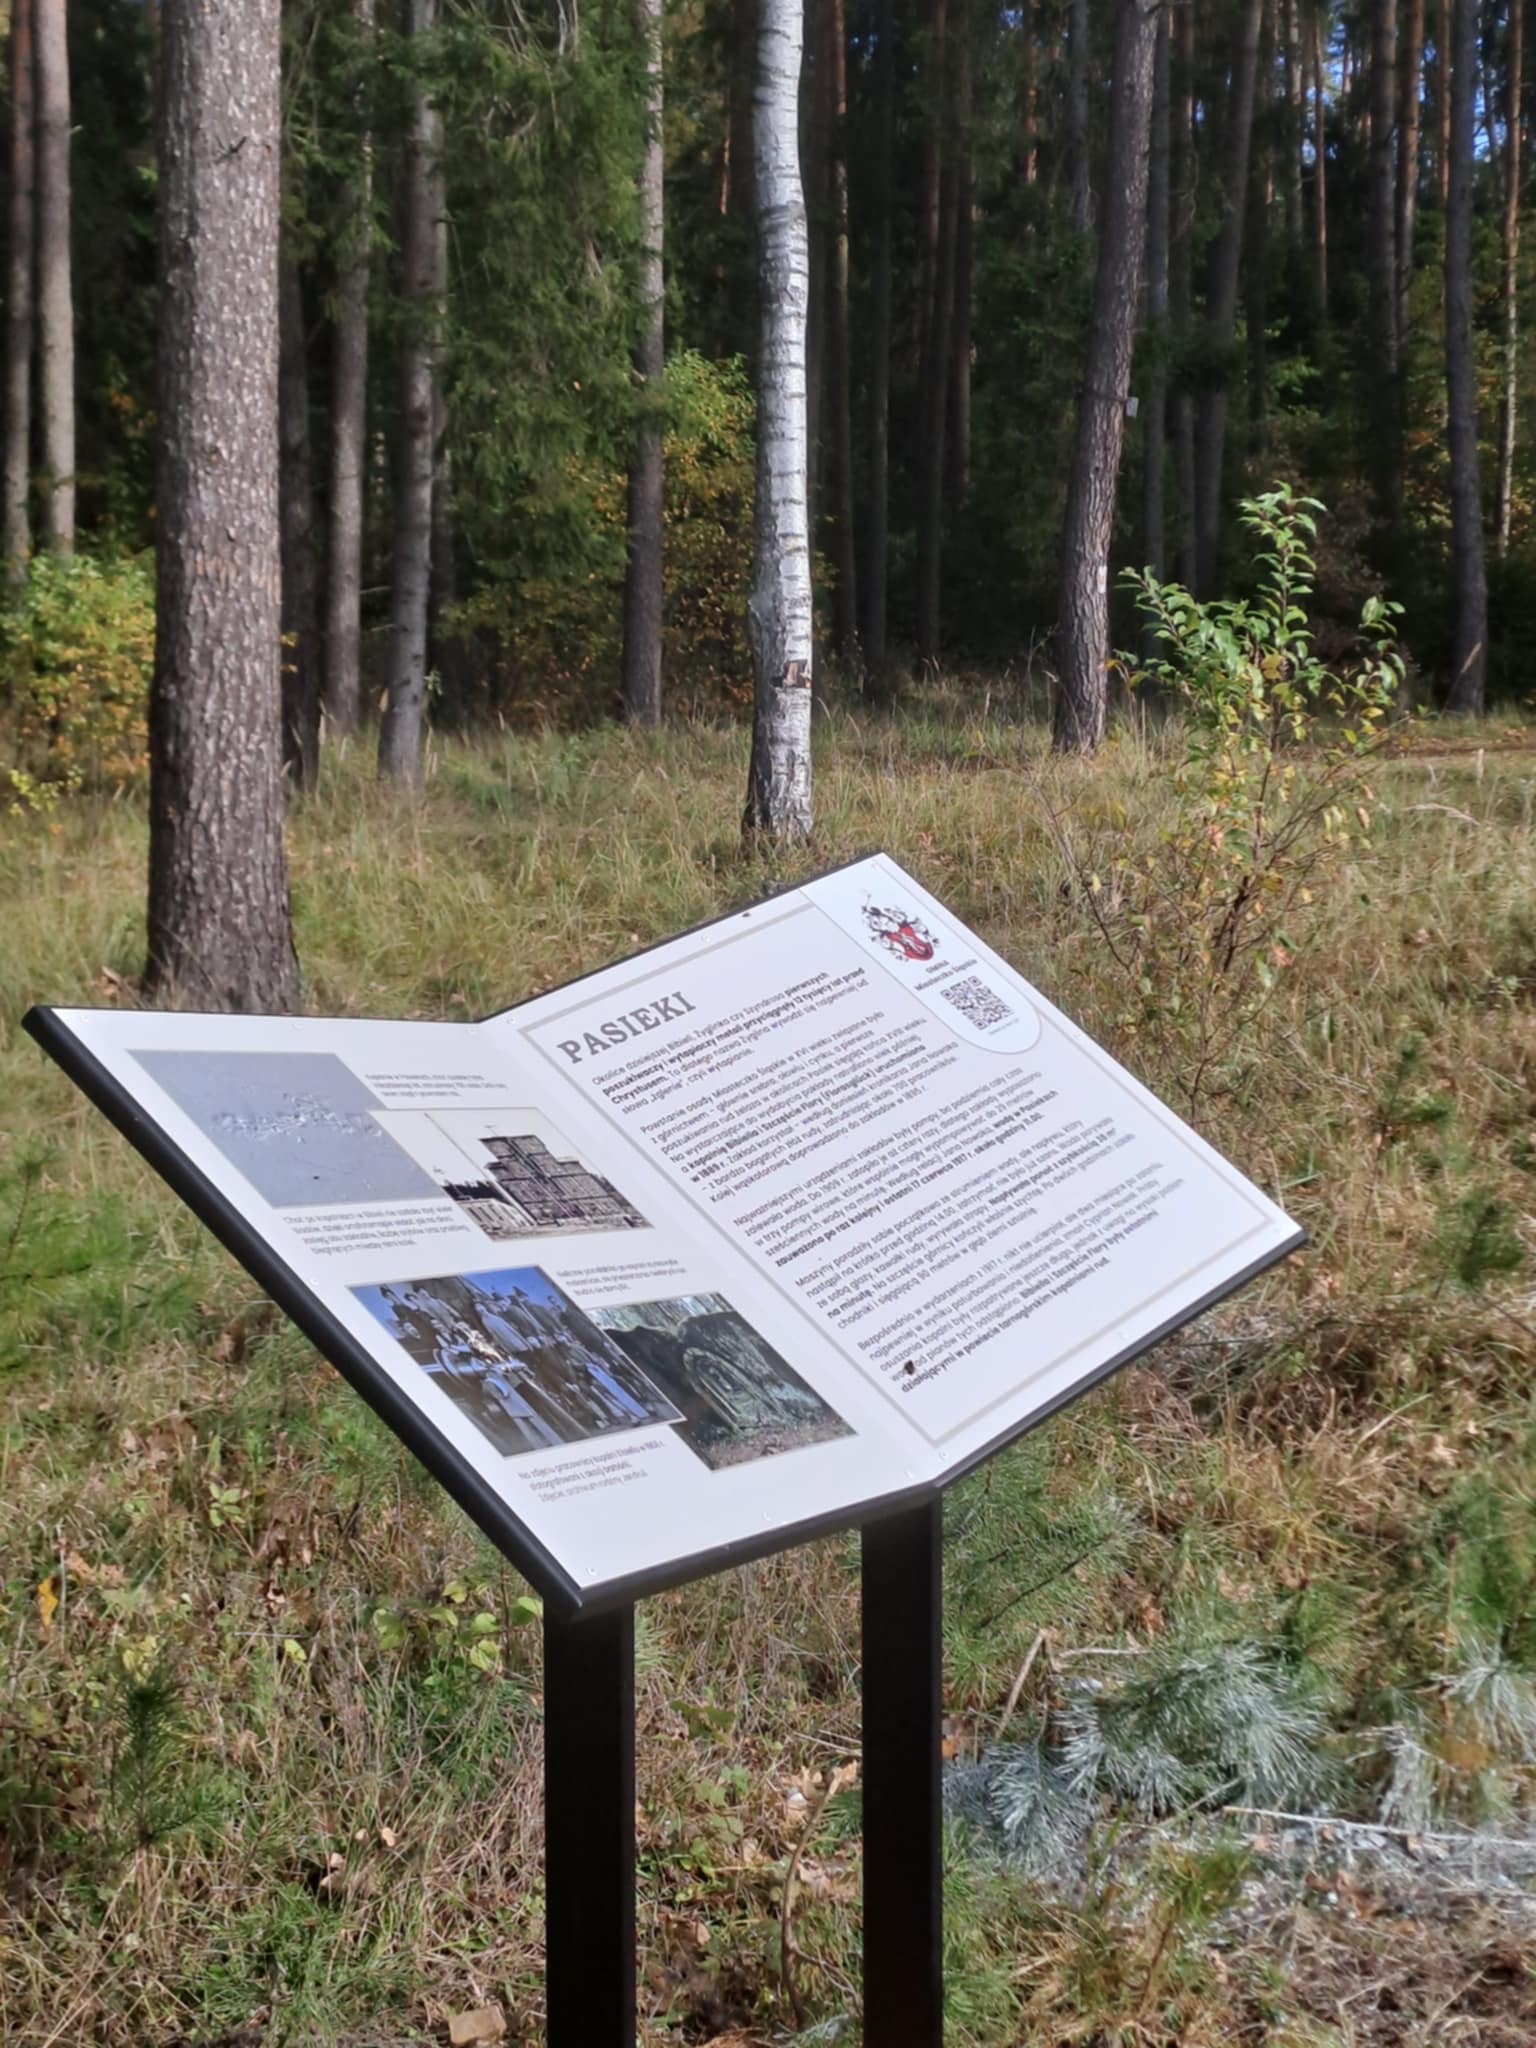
[(801, 1213)]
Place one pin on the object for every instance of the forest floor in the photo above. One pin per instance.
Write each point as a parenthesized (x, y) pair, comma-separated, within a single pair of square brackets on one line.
[(270, 1708)]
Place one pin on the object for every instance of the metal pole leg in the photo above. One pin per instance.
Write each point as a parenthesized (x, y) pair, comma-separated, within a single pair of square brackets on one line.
[(589, 1830), (903, 1832)]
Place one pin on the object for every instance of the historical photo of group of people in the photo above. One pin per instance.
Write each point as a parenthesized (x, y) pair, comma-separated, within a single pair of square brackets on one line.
[(738, 1399), (518, 1357), (531, 1370)]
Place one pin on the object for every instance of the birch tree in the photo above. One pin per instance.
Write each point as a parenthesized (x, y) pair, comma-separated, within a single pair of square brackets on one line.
[(778, 806)]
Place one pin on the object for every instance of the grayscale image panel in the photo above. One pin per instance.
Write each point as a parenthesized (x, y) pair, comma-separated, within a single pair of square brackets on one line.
[(298, 1125)]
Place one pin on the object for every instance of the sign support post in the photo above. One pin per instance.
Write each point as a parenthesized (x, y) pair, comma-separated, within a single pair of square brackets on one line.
[(589, 1830), (903, 1816)]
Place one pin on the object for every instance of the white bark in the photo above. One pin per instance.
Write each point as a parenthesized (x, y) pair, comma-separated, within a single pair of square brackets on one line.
[(779, 607)]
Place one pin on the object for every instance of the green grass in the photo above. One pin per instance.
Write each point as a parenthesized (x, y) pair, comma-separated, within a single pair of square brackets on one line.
[(1339, 1466)]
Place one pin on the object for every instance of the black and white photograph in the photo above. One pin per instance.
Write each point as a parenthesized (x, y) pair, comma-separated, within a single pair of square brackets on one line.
[(738, 1399), (300, 1126), (521, 1177), (516, 1355)]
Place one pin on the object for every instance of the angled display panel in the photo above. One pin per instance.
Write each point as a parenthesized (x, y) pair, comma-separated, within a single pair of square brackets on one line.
[(783, 1222)]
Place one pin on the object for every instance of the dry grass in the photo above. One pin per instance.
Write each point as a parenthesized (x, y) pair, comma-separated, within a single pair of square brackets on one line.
[(332, 1834)]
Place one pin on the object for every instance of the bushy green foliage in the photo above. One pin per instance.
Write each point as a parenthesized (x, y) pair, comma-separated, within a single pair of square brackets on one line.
[(77, 649), (559, 625)]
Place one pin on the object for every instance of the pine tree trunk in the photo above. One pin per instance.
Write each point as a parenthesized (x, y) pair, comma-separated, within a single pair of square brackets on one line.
[(957, 447), (349, 417), (220, 935), (1154, 445), (1409, 94), (1384, 404), (1319, 167), (1443, 102), (18, 300), (643, 569), (877, 529), (838, 429), (778, 808), (1470, 645), (1509, 282), (400, 732), (1029, 110), (1221, 300), (1181, 178), (55, 286), (1256, 240), (1078, 33), (937, 302), (300, 663), (1295, 131), (1082, 702)]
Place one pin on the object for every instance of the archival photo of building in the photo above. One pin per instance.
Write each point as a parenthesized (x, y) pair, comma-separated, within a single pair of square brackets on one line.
[(738, 1399), (522, 1178), (515, 1354)]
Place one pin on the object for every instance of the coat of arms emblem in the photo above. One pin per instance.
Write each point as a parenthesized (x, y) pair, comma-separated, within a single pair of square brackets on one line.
[(900, 933)]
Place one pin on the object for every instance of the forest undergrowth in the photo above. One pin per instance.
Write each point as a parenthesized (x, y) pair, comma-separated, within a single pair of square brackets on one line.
[(270, 1708)]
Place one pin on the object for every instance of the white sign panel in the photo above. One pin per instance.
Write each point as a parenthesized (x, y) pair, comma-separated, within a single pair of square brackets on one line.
[(805, 1210)]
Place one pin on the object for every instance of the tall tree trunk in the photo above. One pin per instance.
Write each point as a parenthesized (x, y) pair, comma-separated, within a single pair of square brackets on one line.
[(1509, 282), (220, 934), (778, 807), (1078, 55), (1221, 299), (643, 569), (1410, 85), (18, 300), (1319, 165), (937, 303), (877, 486), (300, 656), (349, 414), (816, 160), (838, 427), (1029, 111), (1443, 102), (1470, 648), (400, 732), (1082, 698), (55, 284), (958, 435), (1153, 544), (1384, 397), (1256, 241), (1295, 131), (1181, 280)]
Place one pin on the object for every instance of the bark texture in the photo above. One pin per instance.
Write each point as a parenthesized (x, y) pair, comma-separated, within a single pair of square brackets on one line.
[(1078, 34), (300, 659), (877, 528), (644, 567), (1469, 569), (1221, 299), (1409, 98), (1509, 281), (18, 299), (1082, 694), (55, 277), (405, 703), (778, 807), (343, 687), (1154, 551), (220, 935)]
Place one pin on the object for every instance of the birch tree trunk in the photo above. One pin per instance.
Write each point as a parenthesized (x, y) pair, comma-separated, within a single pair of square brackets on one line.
[(877, 528), (778, 808), (1082, 702), (55, 287), (349, 418), (400, 732), (18, 300), (1509, 282), (1470, 646), (219, 929), (644, 566)]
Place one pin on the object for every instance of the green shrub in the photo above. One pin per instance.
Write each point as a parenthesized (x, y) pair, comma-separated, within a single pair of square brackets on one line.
[(77, 651)]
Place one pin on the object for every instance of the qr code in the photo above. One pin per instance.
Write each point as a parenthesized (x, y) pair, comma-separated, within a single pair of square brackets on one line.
[(973, 999)]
